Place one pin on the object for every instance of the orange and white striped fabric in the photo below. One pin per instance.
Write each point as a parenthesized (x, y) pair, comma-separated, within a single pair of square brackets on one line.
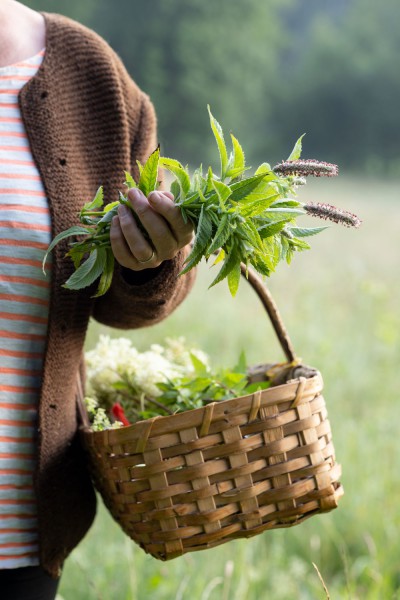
[(25, 233)]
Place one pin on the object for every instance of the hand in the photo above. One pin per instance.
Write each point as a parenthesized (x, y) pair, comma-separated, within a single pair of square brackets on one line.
[(162, 220)]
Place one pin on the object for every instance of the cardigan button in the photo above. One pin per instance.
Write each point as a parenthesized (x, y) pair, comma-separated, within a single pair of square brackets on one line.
[(44, 95)]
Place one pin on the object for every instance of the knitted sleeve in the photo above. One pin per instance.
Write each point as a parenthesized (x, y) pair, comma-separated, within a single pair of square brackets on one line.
[(138, 299)]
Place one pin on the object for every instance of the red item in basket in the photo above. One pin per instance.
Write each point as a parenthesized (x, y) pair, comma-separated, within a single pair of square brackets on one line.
[(118, 413)]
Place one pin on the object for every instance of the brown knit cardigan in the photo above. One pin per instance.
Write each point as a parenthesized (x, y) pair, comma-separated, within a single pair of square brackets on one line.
[(87, 122)]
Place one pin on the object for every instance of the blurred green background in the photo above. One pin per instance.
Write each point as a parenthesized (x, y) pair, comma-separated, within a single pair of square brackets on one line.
[(272, 70)]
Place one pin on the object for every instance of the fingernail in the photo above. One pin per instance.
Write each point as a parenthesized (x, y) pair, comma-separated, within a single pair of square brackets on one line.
[(154, 197), (135, 194), (114, 221), (123, 211)]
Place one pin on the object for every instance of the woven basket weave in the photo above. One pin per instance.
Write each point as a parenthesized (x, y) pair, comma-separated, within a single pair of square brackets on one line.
[(229, 470)]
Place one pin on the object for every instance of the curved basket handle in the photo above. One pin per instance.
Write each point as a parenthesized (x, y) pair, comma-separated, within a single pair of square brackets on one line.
[(269, 304)]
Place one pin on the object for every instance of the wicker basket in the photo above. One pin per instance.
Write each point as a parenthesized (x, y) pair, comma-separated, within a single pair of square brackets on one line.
[(229, 470)]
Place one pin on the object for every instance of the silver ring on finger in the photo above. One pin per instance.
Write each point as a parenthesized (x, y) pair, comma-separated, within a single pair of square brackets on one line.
[(148, 259)]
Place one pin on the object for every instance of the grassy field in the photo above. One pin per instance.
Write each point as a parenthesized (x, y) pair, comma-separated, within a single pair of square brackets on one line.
[(340, 303)]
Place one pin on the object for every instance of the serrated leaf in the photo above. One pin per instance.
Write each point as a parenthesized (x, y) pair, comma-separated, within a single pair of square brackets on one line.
[(221, 236), (129, 181), (89, 271), (261, 265), (265, 168), (284, 247), (299, 244), (296, 152), (283, 213), (286, 204), (234, 279), (237, 161), (306, 231), (149, 175), (257, 207), (97, 201), (219, 137), (220, 257), (201, 241), (271, 228), (140, 167), (243, 188), (249, 230), (107, 274), (223, 192), (72, 231), (178, 170), (197, 181), (76, 254), (230, 261)]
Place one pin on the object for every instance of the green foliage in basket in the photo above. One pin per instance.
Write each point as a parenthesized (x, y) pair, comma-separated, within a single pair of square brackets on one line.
[(249, 219), (161, 381)]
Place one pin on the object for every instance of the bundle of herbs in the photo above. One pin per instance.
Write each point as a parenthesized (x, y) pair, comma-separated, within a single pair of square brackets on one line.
[(245, 219)]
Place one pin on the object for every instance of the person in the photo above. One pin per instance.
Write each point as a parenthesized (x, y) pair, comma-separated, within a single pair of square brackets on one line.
[(71, 119)]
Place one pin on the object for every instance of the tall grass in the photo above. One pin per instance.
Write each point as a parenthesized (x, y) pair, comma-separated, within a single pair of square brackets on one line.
[(340, 303)]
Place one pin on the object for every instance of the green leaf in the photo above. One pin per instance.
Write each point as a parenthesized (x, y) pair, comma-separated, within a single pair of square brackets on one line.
[(111, 212), (256, 386), (72, 231), (243, 188), (201, 241), (231, 260), (222, 234), (219, 137), (249, 231), (97, 201), (140, 167), (241, 365), (223, 192), (89, 271), (284, 247), (175, 189), (234, 279), (283, 213), (257, 206), (299, 244), (296, 152), (237, 161), (129, 181), (286, 204), (200, 367), (107, 274), (149, 175), (182, 177), (261, 264), (271, 228), (265, 168), (306, 231)]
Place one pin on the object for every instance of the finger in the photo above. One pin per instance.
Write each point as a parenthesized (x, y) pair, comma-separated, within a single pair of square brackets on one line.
[(165, 206), (162, 238), (122, 251), (136, 241)]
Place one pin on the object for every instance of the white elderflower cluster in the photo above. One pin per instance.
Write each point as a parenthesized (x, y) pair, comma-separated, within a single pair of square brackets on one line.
[(113, 360)]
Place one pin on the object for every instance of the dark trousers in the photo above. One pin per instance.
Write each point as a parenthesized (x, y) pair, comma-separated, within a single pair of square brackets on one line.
[(27, 583)]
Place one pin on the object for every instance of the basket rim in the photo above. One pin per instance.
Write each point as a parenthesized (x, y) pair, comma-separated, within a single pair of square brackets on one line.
[(169, 423)]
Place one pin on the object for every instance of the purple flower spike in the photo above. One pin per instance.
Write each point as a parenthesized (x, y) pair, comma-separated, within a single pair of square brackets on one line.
[(332, 213), (304, 168)]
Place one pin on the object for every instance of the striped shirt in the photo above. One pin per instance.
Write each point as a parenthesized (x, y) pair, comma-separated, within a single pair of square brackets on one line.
[(25, 232)]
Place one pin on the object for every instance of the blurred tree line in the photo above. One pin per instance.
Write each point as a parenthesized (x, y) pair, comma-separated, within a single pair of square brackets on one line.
[(270, 69)]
